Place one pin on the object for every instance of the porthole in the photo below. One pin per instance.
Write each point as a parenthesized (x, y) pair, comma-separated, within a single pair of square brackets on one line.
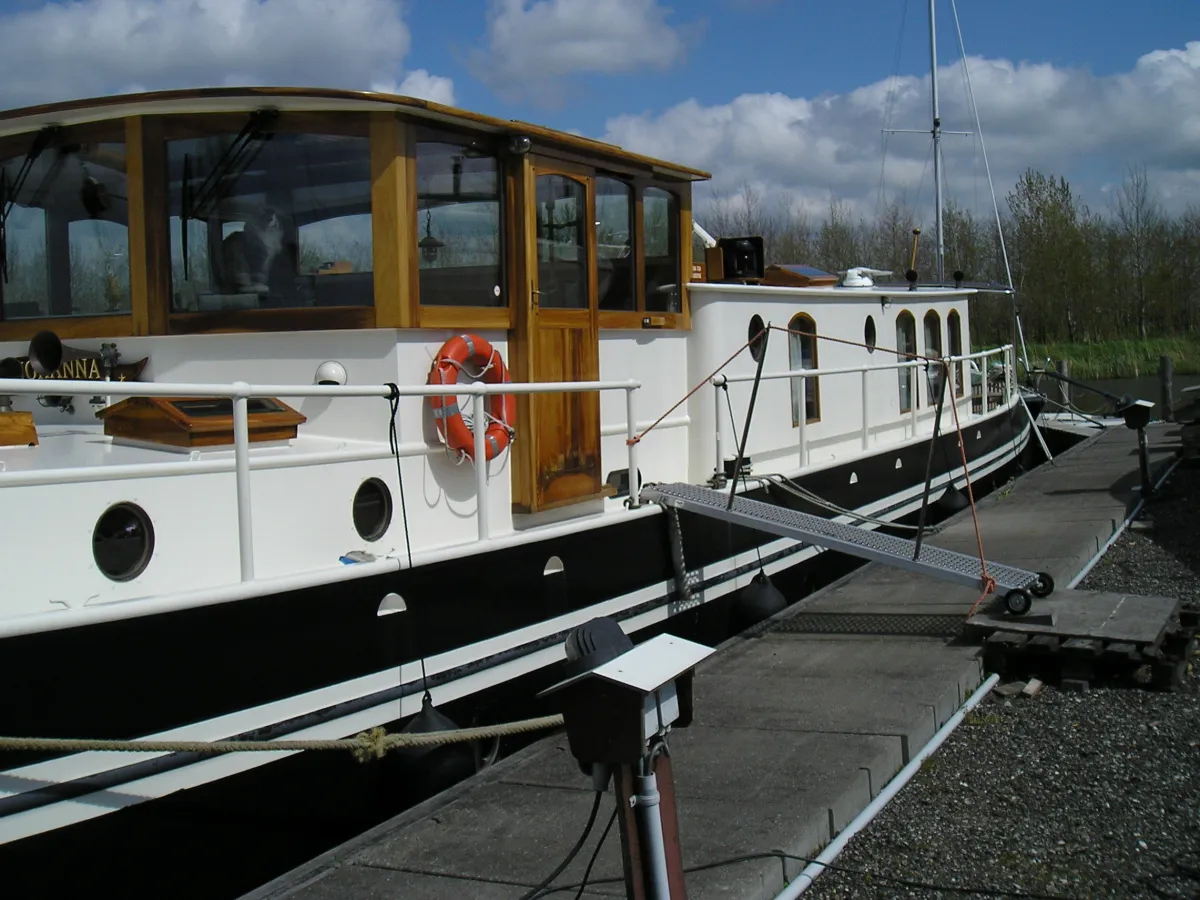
[(123, 542), (869, 334), (755, 331), (372, 509)]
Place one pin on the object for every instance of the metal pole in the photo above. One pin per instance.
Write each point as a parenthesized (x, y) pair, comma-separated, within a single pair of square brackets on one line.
[(937, 426), (866, 426), (654, 854), (937, 146), (479, 427), (635, 486), (723, 385), (766, 333), (241, 455)]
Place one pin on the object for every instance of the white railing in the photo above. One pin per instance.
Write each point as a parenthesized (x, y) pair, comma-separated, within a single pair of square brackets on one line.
[(864, 430), (240, 392)]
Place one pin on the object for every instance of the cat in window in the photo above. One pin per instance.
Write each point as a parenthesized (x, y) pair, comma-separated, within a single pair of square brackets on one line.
[(252, 254)]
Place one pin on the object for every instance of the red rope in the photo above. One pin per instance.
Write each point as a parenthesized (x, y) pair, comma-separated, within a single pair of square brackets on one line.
[(637, 437)]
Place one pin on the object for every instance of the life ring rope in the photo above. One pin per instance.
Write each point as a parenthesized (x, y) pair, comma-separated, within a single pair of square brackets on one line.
[(454, 426)]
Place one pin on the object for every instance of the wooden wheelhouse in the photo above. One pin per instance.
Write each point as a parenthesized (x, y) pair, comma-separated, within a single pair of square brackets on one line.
[(274, 209)]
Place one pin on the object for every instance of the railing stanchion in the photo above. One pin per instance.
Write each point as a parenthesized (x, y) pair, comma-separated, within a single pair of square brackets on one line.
[(241, 455), (479, 426), (635, 486), (866, 428)]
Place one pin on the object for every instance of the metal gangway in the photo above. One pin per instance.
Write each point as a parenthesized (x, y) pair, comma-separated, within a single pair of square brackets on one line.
[(915, 556)]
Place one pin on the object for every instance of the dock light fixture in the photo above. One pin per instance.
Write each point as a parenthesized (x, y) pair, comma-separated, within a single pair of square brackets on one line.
[(618, 703), (1136, 414)]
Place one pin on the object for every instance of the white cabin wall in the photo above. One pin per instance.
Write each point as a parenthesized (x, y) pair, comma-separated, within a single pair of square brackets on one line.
[(721, 316), (658, 359)]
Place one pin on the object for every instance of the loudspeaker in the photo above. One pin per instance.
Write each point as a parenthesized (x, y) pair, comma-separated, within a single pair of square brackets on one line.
[(45, 352)]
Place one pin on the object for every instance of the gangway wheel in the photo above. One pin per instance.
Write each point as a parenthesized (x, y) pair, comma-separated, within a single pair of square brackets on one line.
[(1043, 587), (1018, 602)]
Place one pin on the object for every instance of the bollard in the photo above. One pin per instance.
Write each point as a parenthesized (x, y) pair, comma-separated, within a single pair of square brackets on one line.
[(1166, 372)]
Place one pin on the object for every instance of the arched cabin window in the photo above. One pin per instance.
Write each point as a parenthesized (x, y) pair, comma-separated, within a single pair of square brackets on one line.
[(460, 224), (802, 354), (64, 250), (933, 349), (269, 210), (954, 332), (906, 347)]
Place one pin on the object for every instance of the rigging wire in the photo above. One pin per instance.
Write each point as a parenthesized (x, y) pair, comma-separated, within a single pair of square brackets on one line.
[(890, 108), (982, 143)]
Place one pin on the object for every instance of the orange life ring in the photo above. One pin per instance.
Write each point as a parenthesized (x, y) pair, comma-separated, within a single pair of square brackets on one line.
[(469, 350)]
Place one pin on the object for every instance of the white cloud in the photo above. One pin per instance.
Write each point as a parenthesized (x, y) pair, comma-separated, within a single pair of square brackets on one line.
[(533, 45), (1060, 121), (420, 83), (64, 51)]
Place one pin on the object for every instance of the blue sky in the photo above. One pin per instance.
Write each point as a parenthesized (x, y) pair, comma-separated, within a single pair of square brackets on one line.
[(787, 96)]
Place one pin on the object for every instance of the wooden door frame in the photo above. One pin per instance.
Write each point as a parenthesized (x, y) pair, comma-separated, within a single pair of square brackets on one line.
[(522, 214)]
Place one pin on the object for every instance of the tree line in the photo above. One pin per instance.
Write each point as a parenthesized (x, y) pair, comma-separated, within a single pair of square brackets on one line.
[(1081, 275)]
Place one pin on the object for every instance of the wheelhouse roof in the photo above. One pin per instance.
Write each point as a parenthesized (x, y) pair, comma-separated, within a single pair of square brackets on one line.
[(247, 99)]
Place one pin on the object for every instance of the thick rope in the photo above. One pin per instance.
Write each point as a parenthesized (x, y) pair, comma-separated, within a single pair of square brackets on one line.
[(367, 745)]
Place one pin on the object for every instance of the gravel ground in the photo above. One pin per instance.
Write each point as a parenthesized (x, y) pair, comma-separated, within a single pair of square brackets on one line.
[(1081, 795)]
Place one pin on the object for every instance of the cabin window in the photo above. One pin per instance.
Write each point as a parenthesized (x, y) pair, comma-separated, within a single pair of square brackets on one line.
[(954, 332), (906, 349), (802, 354), (869, 334), (933, 349), (562, 245), (660, 227), (271, 214), (460, 249), (614, 244), (64, 246)]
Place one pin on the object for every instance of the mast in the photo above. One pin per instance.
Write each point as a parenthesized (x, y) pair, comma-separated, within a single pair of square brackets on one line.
[(937, 146)]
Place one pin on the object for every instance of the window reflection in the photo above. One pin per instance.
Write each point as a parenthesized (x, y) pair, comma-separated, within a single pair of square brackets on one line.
[(562, 242), (270, 217), (802, 354), (459, 245), (64, 247), (614, 244), (660, 225), (906, 347)]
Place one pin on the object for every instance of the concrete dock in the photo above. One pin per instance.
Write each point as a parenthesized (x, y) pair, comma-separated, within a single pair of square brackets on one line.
[(797, 726)]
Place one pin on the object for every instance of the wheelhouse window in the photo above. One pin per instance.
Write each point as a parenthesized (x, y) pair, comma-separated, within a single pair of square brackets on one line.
[(802, 354), (660, 229), (64, 237), (562, 245), (906, 347), (460, 248), (269, 211), (614, 244), (933, 349), (954, 333)]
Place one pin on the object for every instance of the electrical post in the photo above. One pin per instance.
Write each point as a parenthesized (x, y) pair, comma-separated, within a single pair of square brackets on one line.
[(618, 703)]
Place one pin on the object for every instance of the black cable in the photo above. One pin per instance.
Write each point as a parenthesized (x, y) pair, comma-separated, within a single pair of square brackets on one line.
[(587, 873), (394, 443), (892, 879), (587, 830)]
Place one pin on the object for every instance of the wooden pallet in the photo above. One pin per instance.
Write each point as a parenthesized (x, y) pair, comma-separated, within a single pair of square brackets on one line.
[(1093, 638)]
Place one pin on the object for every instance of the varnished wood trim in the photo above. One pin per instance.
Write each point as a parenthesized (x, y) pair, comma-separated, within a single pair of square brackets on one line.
[(393, 247), (465, 317), (331, 99), (685, 253), (298, 319), (149, 248), (69, 327), (627, 318)]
